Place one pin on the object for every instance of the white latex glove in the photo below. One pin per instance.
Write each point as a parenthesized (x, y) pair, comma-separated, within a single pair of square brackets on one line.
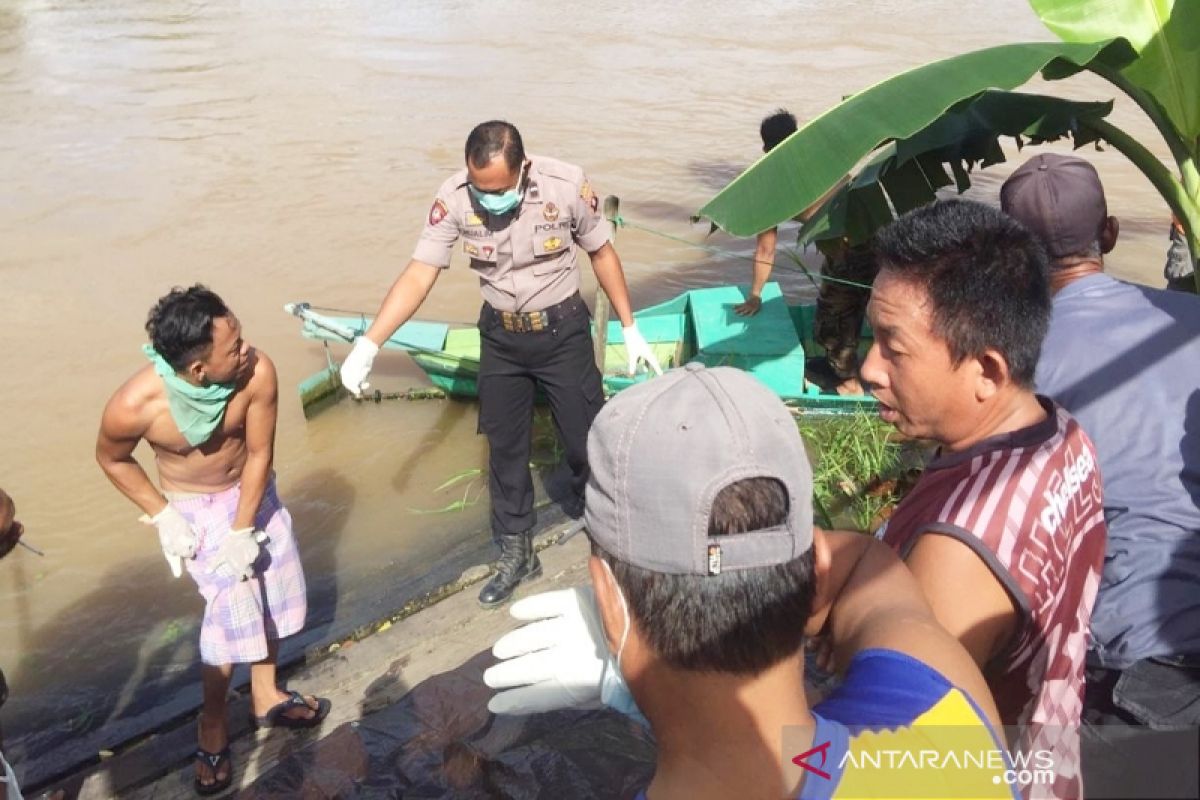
[(638, 350), (357, 365), (237, 553), (175, 535), (556, 661)]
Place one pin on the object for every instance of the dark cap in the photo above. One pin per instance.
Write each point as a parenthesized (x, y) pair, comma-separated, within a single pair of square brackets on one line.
[(661, 451), (1059, 198)]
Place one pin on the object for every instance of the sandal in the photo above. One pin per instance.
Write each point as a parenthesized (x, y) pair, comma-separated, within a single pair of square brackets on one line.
[(278, 717), (214, 761)]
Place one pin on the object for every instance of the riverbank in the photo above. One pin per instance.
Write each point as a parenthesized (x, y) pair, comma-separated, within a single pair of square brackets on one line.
[(369, 671)]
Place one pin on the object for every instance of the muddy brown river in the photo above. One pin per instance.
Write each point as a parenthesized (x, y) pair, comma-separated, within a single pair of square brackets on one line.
[(282, 151)]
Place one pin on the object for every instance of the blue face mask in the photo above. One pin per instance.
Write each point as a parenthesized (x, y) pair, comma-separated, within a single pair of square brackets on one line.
[(502, 202), (614, 691)]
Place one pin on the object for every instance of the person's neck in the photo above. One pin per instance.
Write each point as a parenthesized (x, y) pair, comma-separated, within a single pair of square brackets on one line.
[(1014, 410), (1066, 271), (719, 734)]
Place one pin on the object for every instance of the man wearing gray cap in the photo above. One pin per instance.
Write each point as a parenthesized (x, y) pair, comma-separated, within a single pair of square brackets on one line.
[(708, 575), (1125, 361)]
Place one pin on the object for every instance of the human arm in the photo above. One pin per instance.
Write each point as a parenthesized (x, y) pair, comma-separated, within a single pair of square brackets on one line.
[(403, 299), (611, 277), (764, 261), (261, 415), (967, 598), (401, 302), (870, 600), (122, 426)]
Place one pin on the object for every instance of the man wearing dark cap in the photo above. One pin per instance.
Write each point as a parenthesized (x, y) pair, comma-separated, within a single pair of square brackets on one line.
[(708, 575), (1125, 361)]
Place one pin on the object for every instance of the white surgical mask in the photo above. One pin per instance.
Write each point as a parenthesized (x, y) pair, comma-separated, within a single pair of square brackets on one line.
[(503, 202), (614, 691)]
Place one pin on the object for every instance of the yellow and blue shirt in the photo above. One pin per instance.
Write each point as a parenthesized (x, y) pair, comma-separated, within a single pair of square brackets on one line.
[(896, 728)]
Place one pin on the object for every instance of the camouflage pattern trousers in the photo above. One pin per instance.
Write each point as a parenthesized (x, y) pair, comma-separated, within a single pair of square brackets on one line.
[(841, 308)]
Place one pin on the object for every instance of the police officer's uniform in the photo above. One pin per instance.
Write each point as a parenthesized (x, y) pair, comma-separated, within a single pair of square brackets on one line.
[(534, 326)]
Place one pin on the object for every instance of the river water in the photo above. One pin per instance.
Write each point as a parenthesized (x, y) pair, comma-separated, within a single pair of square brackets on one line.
[(281, 151)]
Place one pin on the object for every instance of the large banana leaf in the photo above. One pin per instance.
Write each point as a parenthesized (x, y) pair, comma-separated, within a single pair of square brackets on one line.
[(1166, 36), (803, 167), (909, 171)]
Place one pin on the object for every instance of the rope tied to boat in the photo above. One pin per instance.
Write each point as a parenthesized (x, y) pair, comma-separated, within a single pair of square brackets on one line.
[(619, 221)]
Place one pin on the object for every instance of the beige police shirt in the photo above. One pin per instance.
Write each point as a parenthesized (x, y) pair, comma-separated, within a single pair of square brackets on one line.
[(525, 259)]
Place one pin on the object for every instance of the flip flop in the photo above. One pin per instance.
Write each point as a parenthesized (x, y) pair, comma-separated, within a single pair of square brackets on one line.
[(214, 762), (277, 716)]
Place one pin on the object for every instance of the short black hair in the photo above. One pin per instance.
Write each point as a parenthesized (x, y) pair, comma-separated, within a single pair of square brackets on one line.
[(741, 622), (181, 322), (986, 277), (494, 137), (775, 127)]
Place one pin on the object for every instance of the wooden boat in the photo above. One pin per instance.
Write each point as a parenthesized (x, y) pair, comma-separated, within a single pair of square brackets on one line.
[(776, 346)]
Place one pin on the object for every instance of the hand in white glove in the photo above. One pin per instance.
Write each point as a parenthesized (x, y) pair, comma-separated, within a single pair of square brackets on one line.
[(237, 553), (639, 350), (175, 535), (556, 661), (357, 365)]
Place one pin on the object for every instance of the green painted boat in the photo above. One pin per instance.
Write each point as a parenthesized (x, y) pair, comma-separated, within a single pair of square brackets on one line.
[(776, 346)]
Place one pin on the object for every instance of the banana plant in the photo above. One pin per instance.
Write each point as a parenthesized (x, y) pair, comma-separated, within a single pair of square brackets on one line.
[(897, 138)]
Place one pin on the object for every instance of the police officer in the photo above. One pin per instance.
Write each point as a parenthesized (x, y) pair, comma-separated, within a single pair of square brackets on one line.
[(520, 219)]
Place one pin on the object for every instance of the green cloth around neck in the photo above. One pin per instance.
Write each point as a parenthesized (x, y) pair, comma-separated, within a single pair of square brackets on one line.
[(197, 410)]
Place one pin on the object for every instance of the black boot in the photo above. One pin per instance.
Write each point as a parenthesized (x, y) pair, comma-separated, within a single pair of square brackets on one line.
[(518, 562)]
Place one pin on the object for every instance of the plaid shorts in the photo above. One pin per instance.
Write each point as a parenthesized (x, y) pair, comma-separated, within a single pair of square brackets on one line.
[(241, 617)]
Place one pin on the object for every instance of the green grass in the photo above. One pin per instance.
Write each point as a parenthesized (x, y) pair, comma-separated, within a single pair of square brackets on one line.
[(545, 455), (858, 470)]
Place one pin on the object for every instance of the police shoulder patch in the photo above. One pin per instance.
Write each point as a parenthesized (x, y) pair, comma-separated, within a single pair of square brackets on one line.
[(437, 212), (588, 194)]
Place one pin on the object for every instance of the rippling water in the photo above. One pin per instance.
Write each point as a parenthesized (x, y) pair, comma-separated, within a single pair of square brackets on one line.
[(283, 151)]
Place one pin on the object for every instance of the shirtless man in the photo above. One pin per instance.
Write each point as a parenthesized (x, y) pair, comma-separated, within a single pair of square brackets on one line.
[(206, 404)]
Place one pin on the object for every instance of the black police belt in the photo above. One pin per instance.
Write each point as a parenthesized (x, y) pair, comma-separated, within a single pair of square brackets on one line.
[(537, 321)]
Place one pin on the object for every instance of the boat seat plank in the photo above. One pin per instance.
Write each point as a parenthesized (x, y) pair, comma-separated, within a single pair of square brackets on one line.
[(719, 329)]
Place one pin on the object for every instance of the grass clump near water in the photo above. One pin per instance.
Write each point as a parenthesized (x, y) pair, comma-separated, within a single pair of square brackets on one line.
[(861, 470)]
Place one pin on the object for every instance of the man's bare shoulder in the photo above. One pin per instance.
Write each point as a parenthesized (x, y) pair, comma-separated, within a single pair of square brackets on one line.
[(144, 388), (262, 380), (135, 403)]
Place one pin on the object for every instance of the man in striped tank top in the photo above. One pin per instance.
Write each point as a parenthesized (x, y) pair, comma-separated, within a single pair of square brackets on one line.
[(1005, 530)]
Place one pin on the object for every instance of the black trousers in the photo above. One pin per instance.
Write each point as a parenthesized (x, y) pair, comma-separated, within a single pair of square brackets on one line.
[(512, 367), (1139, 737)]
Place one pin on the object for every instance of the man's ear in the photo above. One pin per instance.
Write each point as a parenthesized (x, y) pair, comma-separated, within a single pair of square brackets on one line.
[(993, 374), (607, 601), (1108, 234), (195, 372), (822, 598)]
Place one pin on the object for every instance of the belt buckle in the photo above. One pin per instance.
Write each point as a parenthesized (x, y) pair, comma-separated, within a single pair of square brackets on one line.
[(524, 322)]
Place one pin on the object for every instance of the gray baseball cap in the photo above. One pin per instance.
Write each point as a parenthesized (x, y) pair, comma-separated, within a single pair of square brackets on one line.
[(1059, 198), (660, 451)]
